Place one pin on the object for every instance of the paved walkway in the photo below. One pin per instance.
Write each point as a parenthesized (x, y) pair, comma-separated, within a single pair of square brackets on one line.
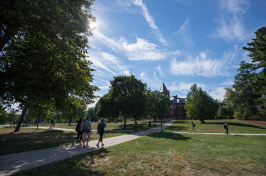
[(232, 134), (13, 163), (67, 129)]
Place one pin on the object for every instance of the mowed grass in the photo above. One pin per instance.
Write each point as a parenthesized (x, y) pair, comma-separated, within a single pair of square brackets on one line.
[(169, 154), (28, 139), (143, 125), (217, 126)]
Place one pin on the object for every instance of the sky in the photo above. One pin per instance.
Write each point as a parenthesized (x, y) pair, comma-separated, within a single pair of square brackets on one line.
[(175, 42)]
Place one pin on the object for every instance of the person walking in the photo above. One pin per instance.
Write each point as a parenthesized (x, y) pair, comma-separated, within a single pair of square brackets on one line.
[(51, 123), (226, 128), (100, 131), (150, 126), (14, 123), (193, 127), (79, 132), (87, 131)]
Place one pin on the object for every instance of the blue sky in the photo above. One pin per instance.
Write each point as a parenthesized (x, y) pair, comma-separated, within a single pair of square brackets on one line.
[(178, 42)]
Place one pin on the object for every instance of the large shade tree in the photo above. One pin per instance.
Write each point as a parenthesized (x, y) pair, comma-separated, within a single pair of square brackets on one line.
[(129, 95), (43, 50), (200, 105), (107, 107), (156, 104), (249, 89)]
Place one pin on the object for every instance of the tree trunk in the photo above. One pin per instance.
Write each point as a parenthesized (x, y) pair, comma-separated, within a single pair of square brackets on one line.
[(21, 119), (202, 121), (125, 121)]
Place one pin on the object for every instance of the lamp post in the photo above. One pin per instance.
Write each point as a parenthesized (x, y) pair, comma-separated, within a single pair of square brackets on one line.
[(161, 114)]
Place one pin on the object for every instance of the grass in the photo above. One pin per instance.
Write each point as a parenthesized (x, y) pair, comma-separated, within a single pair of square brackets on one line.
[(217, 126), (28, 139), (143, 125), (169, 154)]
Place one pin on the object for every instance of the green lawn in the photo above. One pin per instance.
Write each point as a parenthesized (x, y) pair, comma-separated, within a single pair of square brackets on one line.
[(217, 126), (169, 154), (28, 139), (143, 125)]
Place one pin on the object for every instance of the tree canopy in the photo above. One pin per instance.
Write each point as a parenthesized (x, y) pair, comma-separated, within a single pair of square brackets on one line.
[(43, 52), (126, 96), (249, 89), (200, 105)]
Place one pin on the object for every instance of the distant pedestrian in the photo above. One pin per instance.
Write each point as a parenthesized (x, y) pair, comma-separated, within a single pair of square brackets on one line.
[(100, 131), (14, 123), (79, 132), (193, 127), (54, 123), (226, 128), (150, 126), (51, 123), (87, 131)]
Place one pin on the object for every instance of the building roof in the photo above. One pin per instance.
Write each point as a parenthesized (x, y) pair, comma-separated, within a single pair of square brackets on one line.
[(176, 99), (163, 88)]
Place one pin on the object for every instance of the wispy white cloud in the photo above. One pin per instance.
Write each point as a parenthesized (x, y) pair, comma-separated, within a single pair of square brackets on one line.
[(198, 66), (141, 45), (234, 6), (158, 68), (184, 87), (153, 83), (230, 22), (218, 93), (150, 21), (143, 50), (227, 83), (109, 63), (185, 34)]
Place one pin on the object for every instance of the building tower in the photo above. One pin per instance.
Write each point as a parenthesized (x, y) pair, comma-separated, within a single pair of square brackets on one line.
[(165, 91)]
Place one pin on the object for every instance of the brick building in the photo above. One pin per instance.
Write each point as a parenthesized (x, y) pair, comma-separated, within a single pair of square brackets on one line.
[(177, 110)]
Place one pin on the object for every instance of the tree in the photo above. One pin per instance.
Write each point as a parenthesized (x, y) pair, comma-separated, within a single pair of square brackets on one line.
[(152, 104), (245, 98), (107, 107), (92, 113), (74, 108), (257, 52), (129, 94), (43, 52), (199, 104)]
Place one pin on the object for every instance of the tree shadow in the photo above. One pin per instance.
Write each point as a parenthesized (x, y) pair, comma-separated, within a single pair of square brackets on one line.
[(236, 124), (181, 121), (176, 128), (172, 136), (77, 165)]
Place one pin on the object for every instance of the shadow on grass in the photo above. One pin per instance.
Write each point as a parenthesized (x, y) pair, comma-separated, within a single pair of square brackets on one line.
[(236, 124), (171, 136), (76, 165), (181, 121), (35, 140), (176, 128)]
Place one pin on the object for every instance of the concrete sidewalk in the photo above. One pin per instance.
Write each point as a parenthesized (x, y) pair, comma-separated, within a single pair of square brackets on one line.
[(13, 163), (232, 134)]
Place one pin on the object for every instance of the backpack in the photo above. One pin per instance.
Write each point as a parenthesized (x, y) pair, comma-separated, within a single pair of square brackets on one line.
[(101, 127), (225, 126), (84, 125), (194, 125)]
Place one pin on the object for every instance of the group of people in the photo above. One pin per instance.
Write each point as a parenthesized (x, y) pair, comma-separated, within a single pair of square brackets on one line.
[(84, 131), (193, 127)]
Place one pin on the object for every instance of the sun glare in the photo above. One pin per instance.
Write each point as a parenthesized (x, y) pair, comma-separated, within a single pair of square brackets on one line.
[(93, 25)]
